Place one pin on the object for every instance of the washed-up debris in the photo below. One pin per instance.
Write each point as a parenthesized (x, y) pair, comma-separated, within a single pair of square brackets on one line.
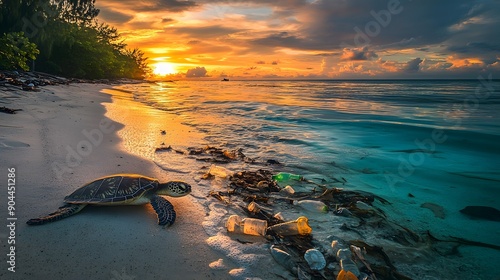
[(217, 171), (29, 86), (254, 181), (273, 161), (283, 258), (249, 226), (30, 81), (315, 259), (291, 228), (168, 149), (296, 251), (8, 110), (345, 258), (258, 194), (217, 155)]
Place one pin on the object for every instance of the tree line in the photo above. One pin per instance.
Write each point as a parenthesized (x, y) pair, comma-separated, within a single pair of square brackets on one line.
[(63, 37)]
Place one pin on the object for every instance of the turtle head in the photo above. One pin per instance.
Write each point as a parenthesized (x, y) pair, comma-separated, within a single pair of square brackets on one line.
[(174, 188)]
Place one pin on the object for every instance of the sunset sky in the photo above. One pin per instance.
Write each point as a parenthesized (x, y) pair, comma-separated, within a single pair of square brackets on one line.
[(312, 38)]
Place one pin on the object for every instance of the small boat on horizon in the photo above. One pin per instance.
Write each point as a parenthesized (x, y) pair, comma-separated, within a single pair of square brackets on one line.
[(225, 80)]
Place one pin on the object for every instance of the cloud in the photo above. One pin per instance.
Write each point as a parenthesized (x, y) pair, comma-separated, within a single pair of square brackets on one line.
[(358, 54), (413, 65), (332, 25), (206, 32), (165, 20), (283, 39), (197, 72), (112, 16), (388, 66), (326, 66), (166, 6), (316, 37), (176, 6)]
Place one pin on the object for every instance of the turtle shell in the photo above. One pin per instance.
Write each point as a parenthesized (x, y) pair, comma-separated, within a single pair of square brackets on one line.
[(110, 189)]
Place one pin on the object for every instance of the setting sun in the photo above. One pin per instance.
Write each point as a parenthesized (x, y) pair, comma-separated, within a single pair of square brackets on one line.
[(163, 68)]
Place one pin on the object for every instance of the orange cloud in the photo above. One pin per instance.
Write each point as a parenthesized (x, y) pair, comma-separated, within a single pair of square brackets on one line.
[(464, 62)]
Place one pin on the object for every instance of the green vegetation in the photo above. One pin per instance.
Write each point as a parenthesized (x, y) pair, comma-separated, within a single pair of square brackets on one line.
[(67, 38), (16, 50)]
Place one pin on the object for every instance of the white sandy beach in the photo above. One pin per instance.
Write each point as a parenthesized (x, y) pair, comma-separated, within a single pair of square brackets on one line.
[(55, 146)]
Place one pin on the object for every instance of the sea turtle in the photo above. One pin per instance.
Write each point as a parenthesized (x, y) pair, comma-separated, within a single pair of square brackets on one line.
[(121, 189)]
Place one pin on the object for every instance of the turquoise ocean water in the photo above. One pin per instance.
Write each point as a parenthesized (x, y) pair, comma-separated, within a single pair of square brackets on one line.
[(410, 142)]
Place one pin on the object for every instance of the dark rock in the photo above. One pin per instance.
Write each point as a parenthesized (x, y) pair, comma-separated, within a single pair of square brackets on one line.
[(482, 212), (438, 210)]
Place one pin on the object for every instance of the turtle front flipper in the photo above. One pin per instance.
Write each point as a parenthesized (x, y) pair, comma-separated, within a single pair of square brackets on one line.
[(63, 212), (164, 209)]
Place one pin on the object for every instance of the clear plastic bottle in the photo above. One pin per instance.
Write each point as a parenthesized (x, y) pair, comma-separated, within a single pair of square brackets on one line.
[(248, 226), (256, 208), (312, 205), (260, 211), (283, 176), (219, 171), (297, 227), (283, 258), (363, 206), (346, 263)]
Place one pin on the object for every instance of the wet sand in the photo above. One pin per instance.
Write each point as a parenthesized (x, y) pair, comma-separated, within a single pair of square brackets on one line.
[(61, 139)]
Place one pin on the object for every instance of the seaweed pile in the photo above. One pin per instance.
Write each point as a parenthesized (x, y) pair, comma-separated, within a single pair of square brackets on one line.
[(211, 154)]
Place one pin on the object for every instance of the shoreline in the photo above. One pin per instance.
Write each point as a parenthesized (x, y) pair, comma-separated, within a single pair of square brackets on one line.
[(55, 145)]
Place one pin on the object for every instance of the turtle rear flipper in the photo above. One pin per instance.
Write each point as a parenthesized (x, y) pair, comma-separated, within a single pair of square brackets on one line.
[(164, 209), (63, 212)]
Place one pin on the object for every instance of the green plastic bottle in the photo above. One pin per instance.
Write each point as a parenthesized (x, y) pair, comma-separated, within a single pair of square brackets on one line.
[(283, 176)]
